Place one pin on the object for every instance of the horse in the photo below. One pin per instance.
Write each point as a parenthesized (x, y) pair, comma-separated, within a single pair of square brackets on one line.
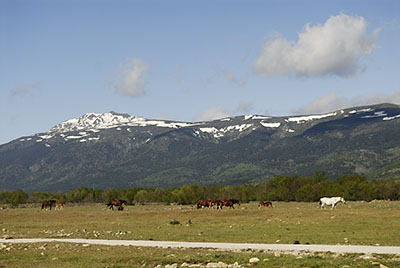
[(59, 205), (203, 203), (235, 201), (230, 203), (48, 203), (265, 204), (216, 203), (117, 203), (331, 201)]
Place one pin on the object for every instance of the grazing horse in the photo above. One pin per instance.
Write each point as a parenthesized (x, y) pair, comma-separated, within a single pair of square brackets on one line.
[(331, 201), (48, 204), (203, 203), (59, 205), (216, 203), (265, 204), (117, 203)]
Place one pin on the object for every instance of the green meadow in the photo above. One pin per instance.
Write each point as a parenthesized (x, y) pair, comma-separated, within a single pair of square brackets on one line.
[(353, 223), (358, 223)]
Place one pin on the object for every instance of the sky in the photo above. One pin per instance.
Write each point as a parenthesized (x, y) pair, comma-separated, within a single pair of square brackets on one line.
[(189, 60)]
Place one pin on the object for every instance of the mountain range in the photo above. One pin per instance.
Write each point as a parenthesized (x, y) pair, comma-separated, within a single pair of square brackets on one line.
[(122, 151)]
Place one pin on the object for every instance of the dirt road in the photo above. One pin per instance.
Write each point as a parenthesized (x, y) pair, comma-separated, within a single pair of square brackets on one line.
[(224, 246)]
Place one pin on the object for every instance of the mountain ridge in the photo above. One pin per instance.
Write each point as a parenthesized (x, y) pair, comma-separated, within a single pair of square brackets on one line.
[(120, 150)]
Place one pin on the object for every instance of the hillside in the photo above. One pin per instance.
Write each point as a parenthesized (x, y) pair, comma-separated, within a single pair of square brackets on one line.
[(119, 150)]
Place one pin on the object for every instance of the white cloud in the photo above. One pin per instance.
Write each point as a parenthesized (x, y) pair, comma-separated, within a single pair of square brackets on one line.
[(22, 90), (335, 102), (233, 79), (212, 114), (334, 48), (244, 107), (130, 80)]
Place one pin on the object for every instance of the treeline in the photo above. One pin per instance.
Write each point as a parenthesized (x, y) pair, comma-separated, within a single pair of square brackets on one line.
[(307, 189)]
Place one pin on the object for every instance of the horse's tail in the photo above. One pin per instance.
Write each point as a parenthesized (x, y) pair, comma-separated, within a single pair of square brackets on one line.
[(42, 205)]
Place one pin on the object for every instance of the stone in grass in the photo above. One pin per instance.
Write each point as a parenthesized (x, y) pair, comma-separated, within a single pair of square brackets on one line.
[(174, 222), (254, 260), (216, 265)]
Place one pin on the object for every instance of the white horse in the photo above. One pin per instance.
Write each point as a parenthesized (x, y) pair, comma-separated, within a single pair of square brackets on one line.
[(331, 201)]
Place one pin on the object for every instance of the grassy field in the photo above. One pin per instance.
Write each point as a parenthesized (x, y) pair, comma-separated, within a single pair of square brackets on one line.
[(60, 255), (355, 223)]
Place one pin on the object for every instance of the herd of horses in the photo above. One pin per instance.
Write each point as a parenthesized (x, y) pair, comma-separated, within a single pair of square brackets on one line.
[(49, 204), (218, 204), (52, 203)]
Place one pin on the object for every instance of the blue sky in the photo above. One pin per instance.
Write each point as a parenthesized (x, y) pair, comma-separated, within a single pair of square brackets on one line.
[(192, 60)]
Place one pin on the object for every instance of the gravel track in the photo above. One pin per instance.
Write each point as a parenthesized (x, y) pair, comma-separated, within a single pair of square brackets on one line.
[(224, 246)]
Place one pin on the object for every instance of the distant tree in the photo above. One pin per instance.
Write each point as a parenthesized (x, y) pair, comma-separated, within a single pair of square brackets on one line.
[(38, 197), (187, 194), (353, 186), (129, 194), (18, 197), (143, 196), (111, 194)]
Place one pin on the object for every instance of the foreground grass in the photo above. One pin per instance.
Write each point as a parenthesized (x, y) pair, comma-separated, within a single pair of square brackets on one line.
[(357, 223), (82, 255)]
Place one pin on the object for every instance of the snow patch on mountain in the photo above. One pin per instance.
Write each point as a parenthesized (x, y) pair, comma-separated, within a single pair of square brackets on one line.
[(220, 132), (256, 117), (303, 119), (94, 122), (391, 117), (270, 125), (376, 114), (361, 111)]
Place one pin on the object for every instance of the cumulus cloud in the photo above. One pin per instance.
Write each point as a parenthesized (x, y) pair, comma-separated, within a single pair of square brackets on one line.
[(333, 102), (333, 48), (130, 79), (212, 114)]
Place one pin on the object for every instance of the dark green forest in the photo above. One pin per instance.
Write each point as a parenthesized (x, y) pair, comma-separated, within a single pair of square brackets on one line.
[(297, 188)]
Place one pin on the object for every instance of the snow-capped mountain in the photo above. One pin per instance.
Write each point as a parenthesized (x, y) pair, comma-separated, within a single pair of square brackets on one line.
[(95, 122), (120, 150)]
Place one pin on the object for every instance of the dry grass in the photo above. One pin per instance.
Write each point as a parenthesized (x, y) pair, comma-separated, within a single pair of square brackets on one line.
[(60, 255), (351, 223)]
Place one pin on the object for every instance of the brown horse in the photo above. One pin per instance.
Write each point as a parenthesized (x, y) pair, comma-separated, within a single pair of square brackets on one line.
[(48, 204), (209, 203), (216, 204), (265, 204), (59, 205), (117, 203), (203, 203), (234, 201)]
